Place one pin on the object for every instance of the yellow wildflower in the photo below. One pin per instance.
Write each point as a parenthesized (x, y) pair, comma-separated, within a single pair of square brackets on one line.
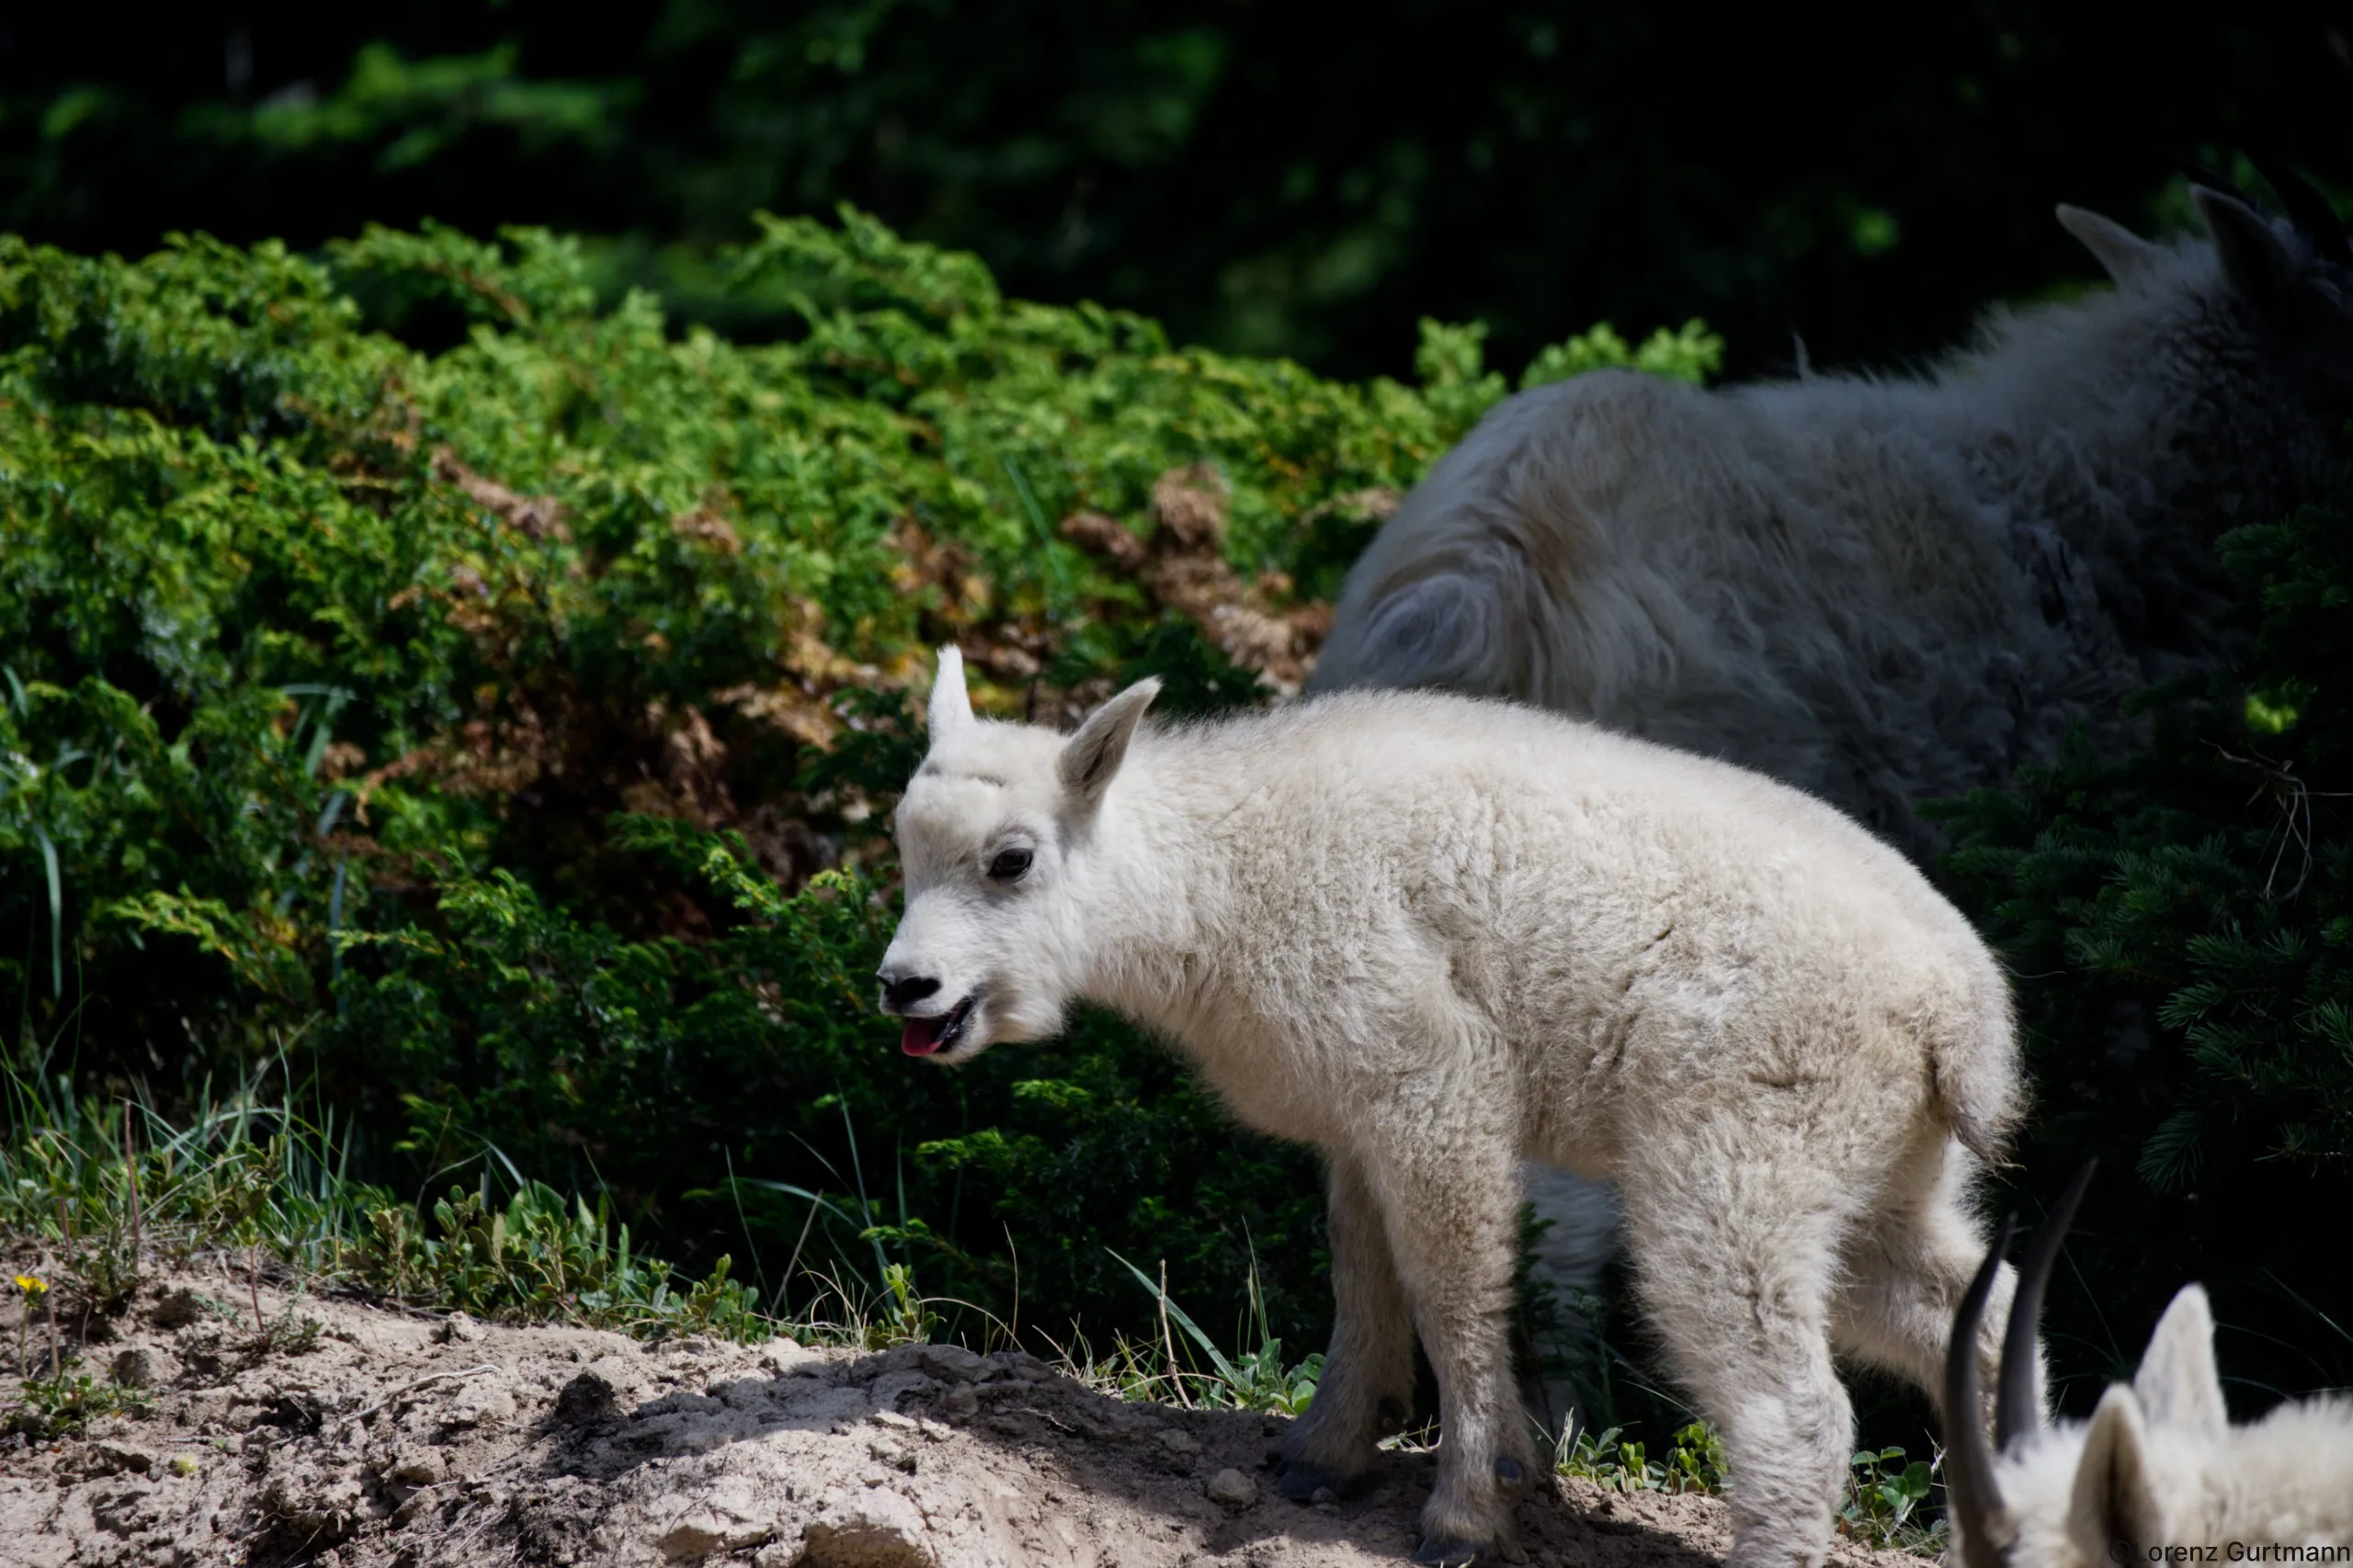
[(30, 1285)]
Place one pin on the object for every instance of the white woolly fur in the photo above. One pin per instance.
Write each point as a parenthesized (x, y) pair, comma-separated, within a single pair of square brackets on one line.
[(1433, 936)]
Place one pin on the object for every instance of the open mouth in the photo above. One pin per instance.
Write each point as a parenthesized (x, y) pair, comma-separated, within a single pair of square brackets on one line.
[(939, 1031)]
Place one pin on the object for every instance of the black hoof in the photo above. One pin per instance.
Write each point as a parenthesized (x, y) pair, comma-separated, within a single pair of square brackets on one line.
[(1510, 1474), (1451, 1550), (1301, 1480)]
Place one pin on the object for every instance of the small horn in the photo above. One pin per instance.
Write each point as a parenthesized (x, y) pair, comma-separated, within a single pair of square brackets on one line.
[(2122, 254), (2307, 207), (1969, 1489), (2017, 1413)]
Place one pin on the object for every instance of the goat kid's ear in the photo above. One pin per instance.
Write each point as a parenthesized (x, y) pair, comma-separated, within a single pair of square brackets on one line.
[(951, 705), (2257, 263), (2115, 1496), (2178, 1384), (2122, 254), (1091, 757)]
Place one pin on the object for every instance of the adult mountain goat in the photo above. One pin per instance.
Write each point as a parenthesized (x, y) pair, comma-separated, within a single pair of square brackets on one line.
[(2158, 1473), (1432, 935), (1881, 590), (1878, 590)]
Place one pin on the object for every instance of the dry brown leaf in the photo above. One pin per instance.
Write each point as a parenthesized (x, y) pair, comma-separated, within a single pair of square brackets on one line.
[(534, 517)]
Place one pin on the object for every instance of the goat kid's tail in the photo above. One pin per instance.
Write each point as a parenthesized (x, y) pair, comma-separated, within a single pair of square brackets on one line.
[(1980, 1088)]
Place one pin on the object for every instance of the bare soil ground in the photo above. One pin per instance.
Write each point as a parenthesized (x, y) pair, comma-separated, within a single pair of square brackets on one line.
[(399, 1440)]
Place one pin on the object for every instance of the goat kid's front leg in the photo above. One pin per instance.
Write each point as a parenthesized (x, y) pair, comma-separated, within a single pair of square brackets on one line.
[(1450, 1200), (1367, 1382)]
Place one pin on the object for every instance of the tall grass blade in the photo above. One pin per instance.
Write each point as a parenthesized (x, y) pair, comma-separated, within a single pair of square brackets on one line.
[(56, 916), (1225, 1368)]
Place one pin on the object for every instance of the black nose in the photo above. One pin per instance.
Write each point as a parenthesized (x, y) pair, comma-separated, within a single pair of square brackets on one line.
[(898, 995)]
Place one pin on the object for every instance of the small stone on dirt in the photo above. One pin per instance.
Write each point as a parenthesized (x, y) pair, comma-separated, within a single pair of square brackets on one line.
[(420, 1467), (479, 1403), (950, 1363), (881, 1530), (588, 1397), (140, 1367), (705, 1531), (176, 1309), (119, 1457), (459, 1329), (1178, 1442), (784, 1358), (1233, 1488)]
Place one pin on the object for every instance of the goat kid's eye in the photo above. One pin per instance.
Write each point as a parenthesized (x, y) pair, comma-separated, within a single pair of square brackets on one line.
[(1009, 865)]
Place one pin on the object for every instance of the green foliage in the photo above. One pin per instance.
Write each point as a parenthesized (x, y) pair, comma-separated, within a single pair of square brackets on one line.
[(1165, 1369), (419, 683), (2182, 922), (67, 1402), (540, 1259), (1693, 355), (112, 1190), (109, 1186), (1695, 1462), (1884, 1493)]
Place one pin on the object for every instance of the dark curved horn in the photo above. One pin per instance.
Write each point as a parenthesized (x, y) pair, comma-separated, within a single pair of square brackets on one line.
[(2307, 207), (2017, 1413), (1970, 1490)]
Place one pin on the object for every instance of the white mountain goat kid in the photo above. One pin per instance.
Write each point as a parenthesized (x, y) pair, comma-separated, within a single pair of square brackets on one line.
[(2158, 1467), (1431, 935)]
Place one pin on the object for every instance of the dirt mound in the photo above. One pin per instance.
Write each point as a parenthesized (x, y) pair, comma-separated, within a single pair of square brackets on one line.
[(408, 1441)]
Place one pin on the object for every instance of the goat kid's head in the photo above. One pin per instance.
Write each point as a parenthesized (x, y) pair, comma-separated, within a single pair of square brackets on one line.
[(992, 833), (2067, 1497), (2293, 274)]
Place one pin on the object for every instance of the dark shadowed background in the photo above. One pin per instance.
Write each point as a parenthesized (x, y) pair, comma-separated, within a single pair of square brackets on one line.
[(1269, 178)]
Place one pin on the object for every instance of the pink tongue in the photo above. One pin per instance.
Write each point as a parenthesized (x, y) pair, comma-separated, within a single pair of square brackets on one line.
[(922, 1037)]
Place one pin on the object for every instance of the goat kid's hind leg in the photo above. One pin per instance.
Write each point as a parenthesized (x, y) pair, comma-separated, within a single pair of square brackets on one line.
[(1368, 1381), (1451, 1197), (1737, 1265)]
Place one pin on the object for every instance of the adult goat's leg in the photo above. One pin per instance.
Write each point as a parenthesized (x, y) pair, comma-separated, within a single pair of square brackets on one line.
[(1368, 1381)]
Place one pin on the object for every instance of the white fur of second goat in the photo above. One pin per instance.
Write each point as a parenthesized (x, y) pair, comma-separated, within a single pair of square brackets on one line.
[(1432, 935), (2159, 1465)]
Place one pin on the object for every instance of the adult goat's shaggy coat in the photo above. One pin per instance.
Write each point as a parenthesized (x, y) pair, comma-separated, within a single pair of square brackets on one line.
[(1878, 591), (2158, 1473), (1432, 935)]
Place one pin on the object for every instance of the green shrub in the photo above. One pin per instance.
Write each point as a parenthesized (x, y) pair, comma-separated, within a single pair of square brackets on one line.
[(480, 710)]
